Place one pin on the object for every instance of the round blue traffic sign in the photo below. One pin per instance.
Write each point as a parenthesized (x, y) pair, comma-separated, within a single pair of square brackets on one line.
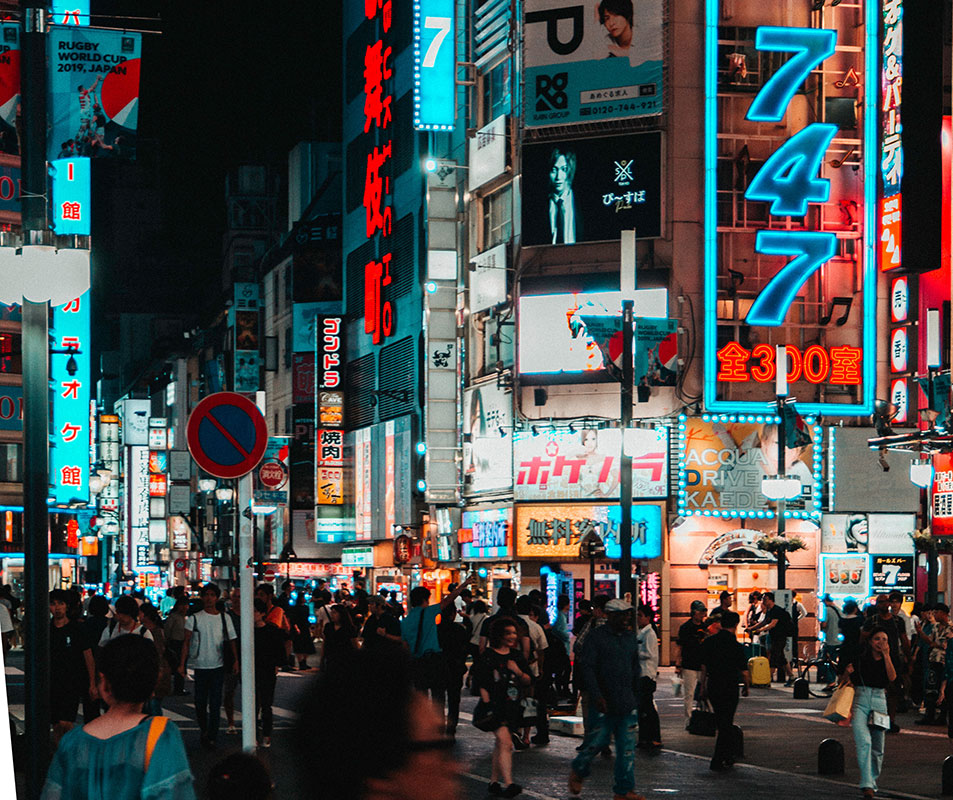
[(227, 435)]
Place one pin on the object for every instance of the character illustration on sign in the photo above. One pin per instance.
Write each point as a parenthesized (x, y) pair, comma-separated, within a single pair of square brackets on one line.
[(476, 430), (597, 476), (565, 224), (441, 358)]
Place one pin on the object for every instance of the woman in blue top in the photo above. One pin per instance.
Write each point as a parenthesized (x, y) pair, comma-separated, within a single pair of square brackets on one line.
[(124, 754)]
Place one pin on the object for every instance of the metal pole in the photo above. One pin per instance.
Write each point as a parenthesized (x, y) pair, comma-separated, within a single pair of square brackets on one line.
[(782, 437), (625, 467), (247, 624), (36, 403), (592, 577)]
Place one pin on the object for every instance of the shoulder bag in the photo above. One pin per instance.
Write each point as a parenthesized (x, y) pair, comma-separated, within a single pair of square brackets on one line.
[(702, 721)]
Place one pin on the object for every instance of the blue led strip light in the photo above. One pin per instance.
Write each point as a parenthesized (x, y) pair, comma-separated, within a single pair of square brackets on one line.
[(814, 44), (811, 46)]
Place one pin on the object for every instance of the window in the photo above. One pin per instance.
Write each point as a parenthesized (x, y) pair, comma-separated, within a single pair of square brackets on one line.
[(288, 419), (10, 459), (289, 283), (497, 217), (275, 291), (251, 180), (289, 345), (497, 92), (11, 358)]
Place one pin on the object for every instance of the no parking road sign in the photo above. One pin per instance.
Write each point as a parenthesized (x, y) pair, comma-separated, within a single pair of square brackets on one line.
[(227, 435)]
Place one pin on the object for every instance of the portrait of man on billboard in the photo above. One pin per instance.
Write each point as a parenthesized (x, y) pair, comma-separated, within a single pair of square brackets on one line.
[(565, 223)]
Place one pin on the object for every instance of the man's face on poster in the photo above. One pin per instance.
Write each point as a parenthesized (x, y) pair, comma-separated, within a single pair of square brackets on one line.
[(559, 175)]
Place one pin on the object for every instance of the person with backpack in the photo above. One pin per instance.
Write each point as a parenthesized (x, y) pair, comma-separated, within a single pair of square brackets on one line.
[(778, 622), (126, 620), (123, 754), (212, 632)]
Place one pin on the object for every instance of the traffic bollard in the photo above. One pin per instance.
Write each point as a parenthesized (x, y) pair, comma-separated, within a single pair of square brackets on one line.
[(801, 689), (830, 758), (947, 776)]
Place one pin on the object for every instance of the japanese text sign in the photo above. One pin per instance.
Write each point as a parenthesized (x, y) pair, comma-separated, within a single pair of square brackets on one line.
[(584, 465), (941, 515), (435, 65), (486, 534), (69, 455), (554, 531), (791, 209)]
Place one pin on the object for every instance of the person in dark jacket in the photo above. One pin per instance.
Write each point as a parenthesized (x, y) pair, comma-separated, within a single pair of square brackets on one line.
[(723, 667), (610, 674), (269, 657)]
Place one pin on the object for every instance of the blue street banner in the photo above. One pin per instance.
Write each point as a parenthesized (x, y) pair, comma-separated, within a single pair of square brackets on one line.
[(434, 65), (70, 382), (70, 12), (587, 63), (9, 86), (94, 92)]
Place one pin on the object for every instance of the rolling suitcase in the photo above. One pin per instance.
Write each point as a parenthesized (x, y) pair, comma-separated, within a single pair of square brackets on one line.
[(760, 670)]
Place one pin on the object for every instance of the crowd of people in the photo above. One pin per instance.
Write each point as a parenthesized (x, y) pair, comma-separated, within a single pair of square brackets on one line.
[(119, 660)]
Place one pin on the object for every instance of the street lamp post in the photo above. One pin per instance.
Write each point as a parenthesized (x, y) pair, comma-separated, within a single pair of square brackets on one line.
[(625, 464)]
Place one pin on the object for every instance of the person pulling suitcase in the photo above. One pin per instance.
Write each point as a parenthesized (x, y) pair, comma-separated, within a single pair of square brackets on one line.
[(723, 668)]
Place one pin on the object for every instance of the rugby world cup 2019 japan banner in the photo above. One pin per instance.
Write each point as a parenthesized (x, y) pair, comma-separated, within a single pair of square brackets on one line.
[(94, 92), (791, 163), (591, 61)]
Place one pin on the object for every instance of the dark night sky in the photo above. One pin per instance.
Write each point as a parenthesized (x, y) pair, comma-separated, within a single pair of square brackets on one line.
[(224, 83)]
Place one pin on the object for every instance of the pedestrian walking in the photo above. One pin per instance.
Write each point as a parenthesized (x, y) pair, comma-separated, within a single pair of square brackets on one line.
[(502, 677), (72, 670), (610, 670), (884, 619), (232, 609), (269, 657), (276, 615), (779, 625), (174, 630), (402, 754), (650, 726), (339, 636), (212, 632), (302, 642), (871, 672), (123, 754), (539, 669), (723, 667), (125, 620), (937, 637), (381, 626), (152, 622), (688, 659), (419, 631), (561, 679), (454, 638), (599, 603)]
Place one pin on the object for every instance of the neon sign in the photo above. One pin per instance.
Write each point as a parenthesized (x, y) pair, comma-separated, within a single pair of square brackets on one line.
[(891, 146), (378, 98), (434, 65), (795, 176)]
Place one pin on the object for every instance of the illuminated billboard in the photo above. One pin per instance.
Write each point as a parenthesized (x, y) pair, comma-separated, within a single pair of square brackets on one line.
[(722, 459), (488, 439), (589, 190), (791, 163), (435, 65), (591, 63), (578, 337), (585, 465)]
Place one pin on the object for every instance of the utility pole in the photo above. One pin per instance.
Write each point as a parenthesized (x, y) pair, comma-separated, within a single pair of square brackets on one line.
[(36, 398), (782, 438), (625, 467)]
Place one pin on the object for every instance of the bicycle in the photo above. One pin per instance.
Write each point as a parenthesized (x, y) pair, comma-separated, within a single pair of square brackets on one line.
[(825, 666)]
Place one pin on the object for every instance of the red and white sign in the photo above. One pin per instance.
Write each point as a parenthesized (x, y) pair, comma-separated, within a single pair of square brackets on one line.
[(379, 213), (890, 216), (272, 475), (941, 516)]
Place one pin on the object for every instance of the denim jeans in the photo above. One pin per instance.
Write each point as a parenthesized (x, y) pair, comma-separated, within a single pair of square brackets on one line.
[(868, 741), (601, 729), (208, 699)]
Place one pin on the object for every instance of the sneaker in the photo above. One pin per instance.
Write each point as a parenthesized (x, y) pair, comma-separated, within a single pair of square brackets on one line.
[(266, 741), (231, 730), (539, 741), (575, 783), (628, 796), (495, 789), (789, 683), (519, 743), (512, 790)]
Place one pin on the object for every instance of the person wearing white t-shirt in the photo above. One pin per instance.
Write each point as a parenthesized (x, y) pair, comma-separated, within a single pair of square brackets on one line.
[(214, 633), (540, 689), (125, 621)]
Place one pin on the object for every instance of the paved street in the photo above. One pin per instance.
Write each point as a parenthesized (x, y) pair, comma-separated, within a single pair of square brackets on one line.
[(781, 738)]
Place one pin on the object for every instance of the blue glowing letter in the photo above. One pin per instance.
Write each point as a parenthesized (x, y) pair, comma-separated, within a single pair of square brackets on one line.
[(812, 250), (787, 179), (810, 45)]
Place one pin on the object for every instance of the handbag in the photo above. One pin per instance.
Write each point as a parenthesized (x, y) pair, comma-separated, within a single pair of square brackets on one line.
[(839, 706), (702, 721), (877, 719), (530, 707), (485, 717)]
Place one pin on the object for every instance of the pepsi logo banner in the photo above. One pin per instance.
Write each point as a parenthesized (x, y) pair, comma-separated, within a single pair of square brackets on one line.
[(94, 92)]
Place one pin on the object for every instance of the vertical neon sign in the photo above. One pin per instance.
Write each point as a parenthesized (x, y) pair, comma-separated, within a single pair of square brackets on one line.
[(794, 184), (891, 145), (379, 214)]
